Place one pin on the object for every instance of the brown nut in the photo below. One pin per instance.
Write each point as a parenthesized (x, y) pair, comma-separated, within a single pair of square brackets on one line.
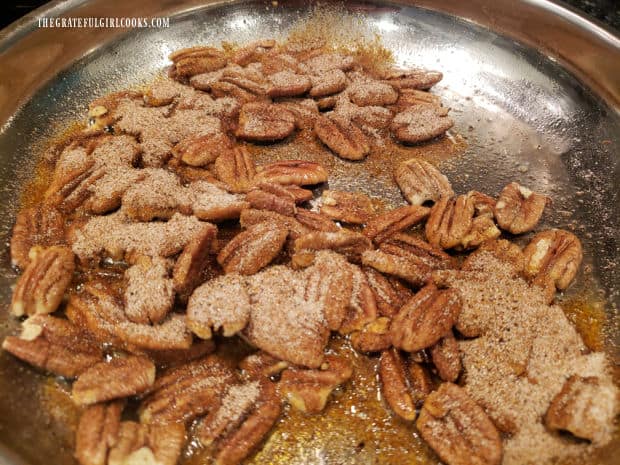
[(264, 122), (298, 172), (407, 257), (43, 226), (362, 308), (421, 182), (382, 226), (248, 79), (403, 384), (411, 97), (187, 273), (55, 345), (252, 249), (518, 209), (239, 443), (250, 53), (390, 294), (288, 84), (236, 169), (149, 294), (121, 377), (446, 358), (552, 258), (71, 188), (412, 78), (441, 421), (342, 136), (348, 243), (188, 62), (501, 249), (186, 392), (349, 207), (328, 83), (97, 432), (315, 221), (330, 282), (372, 93), (202, 150), (220, 303), (251, 217), (374, 337), (450, 220), (425, 318), (261, 365), (272, 197), (421, 123), (222, 89), (147, 444), (305, 111), (585, 407), (309, 390), (328, 61), (42, 286)]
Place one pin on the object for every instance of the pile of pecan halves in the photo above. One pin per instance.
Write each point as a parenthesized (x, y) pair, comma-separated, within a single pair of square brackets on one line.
[(127, 283)]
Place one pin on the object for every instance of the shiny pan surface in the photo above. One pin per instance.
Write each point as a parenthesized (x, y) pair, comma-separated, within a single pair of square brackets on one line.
[(534, 90)]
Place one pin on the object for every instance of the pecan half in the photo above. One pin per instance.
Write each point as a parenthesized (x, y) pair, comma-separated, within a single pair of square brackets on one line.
[(350, 244), (350, 207), (403, 383), (382, 226), (147, 444), (305, 111), (585, 407), (222, 89), (97, 310), (72, 187), (421, 123), (407, 257), (330, 281), (97, 432), (261, 365), (450, 219), (250, 53), (342, 136), (390, 294), (328, 61), (362, 308), (298, 172), (501, 249), (420, 182), (236, 169), (327, 83), (264, 122), (202, 150), (372, 93), (441, 425), (240, 443), (55, 345), (309, 390), (251, 217), (186, 392), (374, 337), (425, 318), (288, 84), (42, 226), (552, 258), (315, 221), (518, 209), (149, 294), (188, 62), (249, 79), (42, 286), (446, 358), (121, 377), (220, 303), (187, 273), (272, 197), (412, 78), (253, 249)]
